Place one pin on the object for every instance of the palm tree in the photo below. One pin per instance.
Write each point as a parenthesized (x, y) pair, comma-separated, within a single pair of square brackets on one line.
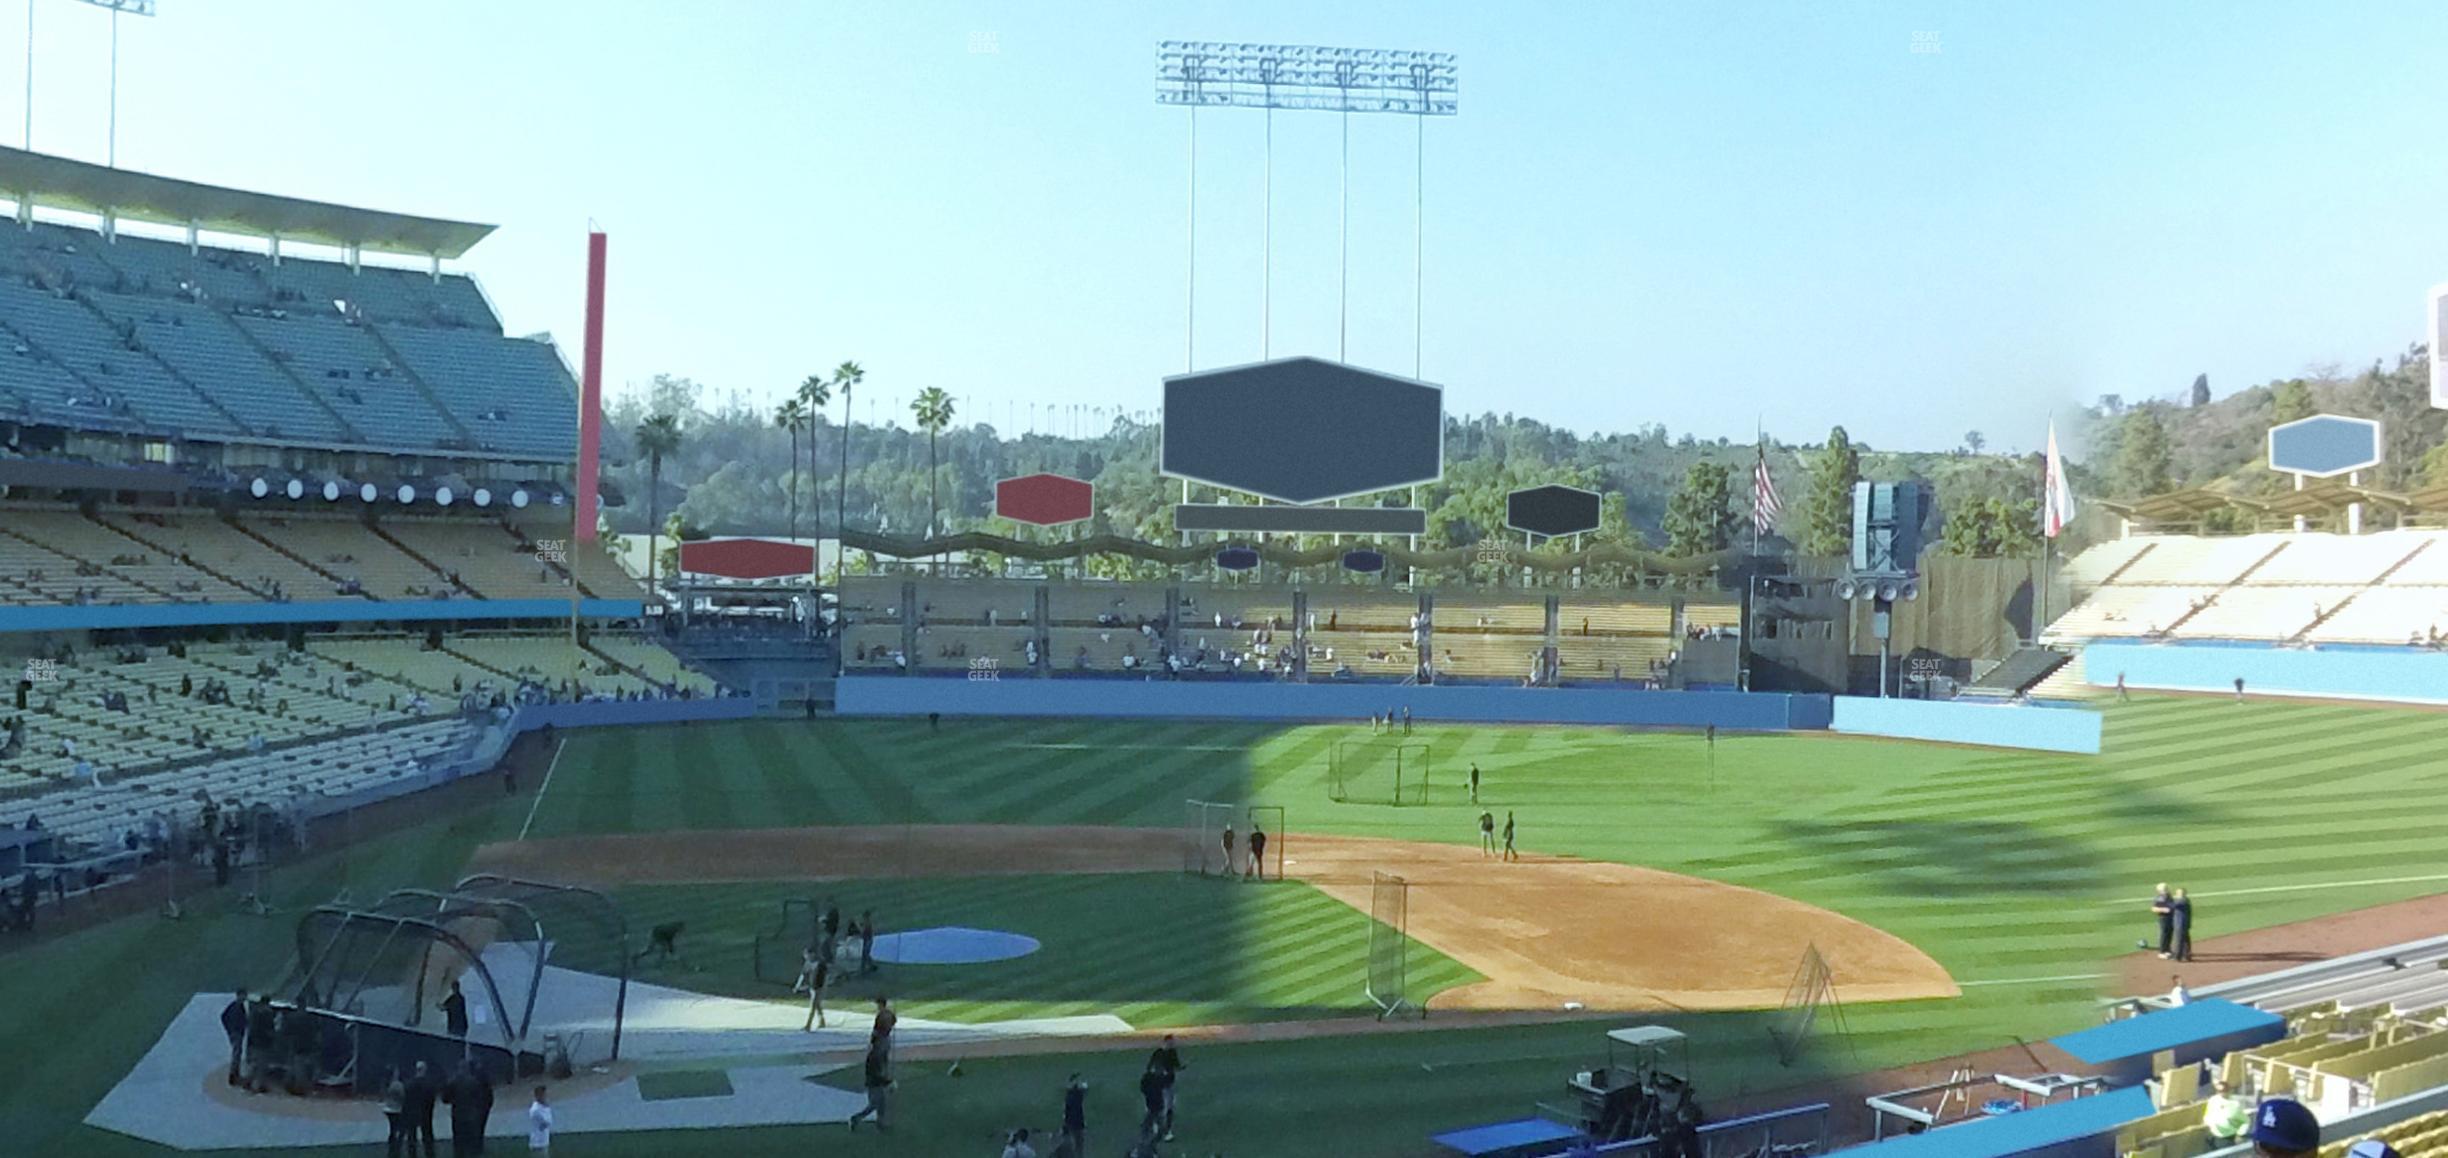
[(845, 377), (814, 392), (933, 409), (792, 416), (657, 438)]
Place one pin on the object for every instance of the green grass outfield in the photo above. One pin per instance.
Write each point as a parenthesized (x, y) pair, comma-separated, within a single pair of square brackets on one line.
[(2019, 873)]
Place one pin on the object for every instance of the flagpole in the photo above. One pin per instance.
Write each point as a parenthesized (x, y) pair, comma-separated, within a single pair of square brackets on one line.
[(2048, 536)]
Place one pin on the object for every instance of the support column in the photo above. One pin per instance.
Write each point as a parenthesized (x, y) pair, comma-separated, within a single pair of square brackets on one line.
[(1300, 635), (910, 613), (1549, 641)]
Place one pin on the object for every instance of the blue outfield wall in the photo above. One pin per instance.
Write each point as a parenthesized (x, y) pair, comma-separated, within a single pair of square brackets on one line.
[(2074, 730), (2404, 674), (134, 615), (1191, 699), (618, 713)]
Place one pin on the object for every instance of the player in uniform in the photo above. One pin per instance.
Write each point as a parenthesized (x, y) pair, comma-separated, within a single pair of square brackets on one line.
[(1257, 853), (1230, 865), (1487, 834), (1509, 854), (814, 970)]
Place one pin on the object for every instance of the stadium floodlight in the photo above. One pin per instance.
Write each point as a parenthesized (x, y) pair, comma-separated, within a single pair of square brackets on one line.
[(406, 494), (368, 493), (443, 496), (1299, 76), (295, 490), (482, 497), (259, 488), (331, 490), (519, 498), (1199, 74), (115, 8)]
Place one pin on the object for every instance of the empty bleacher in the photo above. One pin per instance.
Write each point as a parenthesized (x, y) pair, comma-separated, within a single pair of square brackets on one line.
[(343, 547), (129, 380), (352, 375), (144, 333), (488, 560), (513, 395), (2388, 587)]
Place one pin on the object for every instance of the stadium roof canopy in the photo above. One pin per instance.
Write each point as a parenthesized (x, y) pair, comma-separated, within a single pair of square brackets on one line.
[(81, 186), (2318, 497)]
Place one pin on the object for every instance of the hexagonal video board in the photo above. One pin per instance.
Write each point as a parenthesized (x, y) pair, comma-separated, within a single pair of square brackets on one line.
[(2324, 446), (1045, 500), (1553, 510), (1302, 430)]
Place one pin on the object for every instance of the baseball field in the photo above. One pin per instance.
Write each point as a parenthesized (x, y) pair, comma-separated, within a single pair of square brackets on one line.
[(1967, 897)]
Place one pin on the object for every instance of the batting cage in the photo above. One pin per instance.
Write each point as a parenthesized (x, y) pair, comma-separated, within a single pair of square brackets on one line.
[(777, 953), (1379, 771), (542, 969), (1389, 944)]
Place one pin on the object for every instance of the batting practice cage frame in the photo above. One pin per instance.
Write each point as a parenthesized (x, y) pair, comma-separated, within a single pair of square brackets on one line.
[(775, 957), (1388, 982), (1375, 772), (379, 974), (1203, 824)]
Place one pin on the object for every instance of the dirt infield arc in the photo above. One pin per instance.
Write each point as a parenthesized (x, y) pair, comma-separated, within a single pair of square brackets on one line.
[(1544, 931)]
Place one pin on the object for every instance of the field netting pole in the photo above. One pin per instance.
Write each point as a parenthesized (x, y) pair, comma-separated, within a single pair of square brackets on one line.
[(1389, 963)]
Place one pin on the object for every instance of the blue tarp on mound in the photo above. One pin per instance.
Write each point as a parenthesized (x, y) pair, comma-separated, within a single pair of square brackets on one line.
[(2028, 1132), (952, 945)]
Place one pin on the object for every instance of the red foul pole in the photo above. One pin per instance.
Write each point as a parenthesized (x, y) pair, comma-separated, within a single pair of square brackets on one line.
[(590, 392)]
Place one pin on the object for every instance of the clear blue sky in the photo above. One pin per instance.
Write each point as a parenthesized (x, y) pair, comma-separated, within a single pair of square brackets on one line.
[(1691, 214)]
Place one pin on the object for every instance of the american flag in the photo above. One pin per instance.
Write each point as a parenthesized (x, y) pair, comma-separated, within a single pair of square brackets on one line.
[(1765, 506)]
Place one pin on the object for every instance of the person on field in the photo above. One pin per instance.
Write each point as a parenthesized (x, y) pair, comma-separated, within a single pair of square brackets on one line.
[(867, 935), (814, 971), (539, 1124), (1230, 865), (1509, 854), (2180, 912), (1074, 1141), (454, 1012), (1257, 854), (877, 1081), (417, 1110), (469, 1093), (1167, 1061), (234, 1025), (395, 1116), (2163, 910), (1152, 1096), (1487, 834), (1474, 784)]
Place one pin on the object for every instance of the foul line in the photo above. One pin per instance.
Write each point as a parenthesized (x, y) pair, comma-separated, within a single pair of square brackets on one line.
[(545, 787), (1137, 747), (2033, 980), (2428, 879)]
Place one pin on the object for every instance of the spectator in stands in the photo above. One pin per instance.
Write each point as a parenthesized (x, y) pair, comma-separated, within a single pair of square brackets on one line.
[(2283, 1128), (2225, 1116), (2178, 996)]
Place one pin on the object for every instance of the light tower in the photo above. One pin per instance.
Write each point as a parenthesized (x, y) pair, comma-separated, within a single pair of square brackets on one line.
[(1198, 74)]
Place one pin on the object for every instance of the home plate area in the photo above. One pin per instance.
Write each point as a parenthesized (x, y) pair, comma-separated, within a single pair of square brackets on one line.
[(688, 1061)]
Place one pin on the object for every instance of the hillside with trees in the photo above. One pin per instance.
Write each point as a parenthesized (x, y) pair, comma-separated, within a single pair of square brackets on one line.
[(739, 469)]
